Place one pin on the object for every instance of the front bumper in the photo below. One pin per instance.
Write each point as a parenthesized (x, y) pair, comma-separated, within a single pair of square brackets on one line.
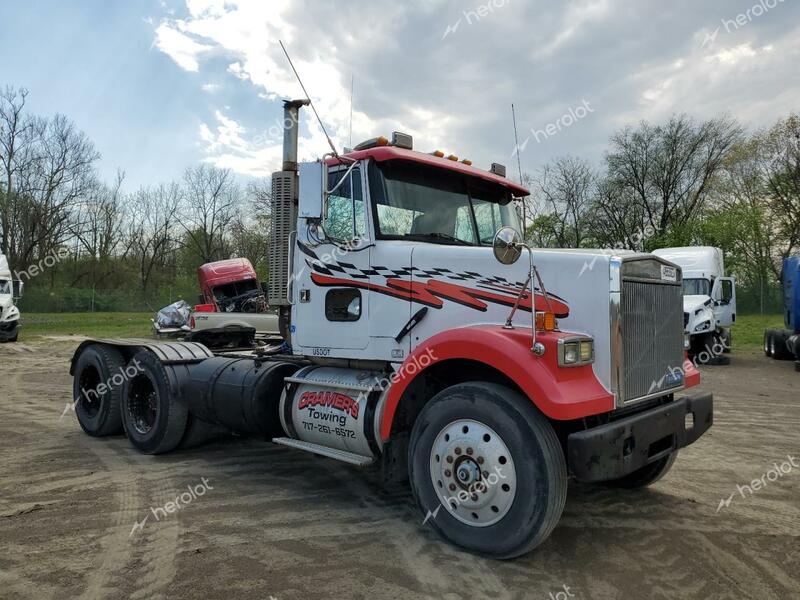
[(8, 330), (618, 448)]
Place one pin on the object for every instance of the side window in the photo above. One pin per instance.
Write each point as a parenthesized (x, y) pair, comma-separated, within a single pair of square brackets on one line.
[(343, 305), (727, 291), (487, 215), (464, 224), (344, 218)]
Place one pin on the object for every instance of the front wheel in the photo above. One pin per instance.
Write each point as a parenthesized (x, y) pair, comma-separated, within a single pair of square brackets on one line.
[(487, 470)]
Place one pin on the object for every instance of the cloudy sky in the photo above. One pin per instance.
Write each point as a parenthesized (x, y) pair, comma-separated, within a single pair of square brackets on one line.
[(160, 85)]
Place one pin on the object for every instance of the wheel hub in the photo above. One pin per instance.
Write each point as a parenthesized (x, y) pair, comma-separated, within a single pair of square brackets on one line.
[(473, 473)]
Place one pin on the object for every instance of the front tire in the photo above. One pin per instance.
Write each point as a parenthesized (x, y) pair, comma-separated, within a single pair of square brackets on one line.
[(153, 414), (487, 470)]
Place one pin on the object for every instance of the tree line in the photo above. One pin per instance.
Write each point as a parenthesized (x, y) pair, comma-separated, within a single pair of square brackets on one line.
[(681, 183), (132, 249)]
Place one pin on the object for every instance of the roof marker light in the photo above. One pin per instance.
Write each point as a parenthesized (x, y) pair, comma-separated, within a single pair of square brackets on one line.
[(438, 153), (452, 157), (498, 169), (467, 162), (402, 140)]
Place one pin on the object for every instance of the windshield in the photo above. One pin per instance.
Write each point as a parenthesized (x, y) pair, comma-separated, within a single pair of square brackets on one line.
[(696, 287), (5, 287), (422, 203)]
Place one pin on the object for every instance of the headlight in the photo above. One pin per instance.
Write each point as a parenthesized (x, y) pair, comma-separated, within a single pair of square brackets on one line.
[(703, 326), (574, 352)]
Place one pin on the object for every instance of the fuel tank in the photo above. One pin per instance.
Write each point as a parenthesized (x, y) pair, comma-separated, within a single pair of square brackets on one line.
[(241, 394), (334, 407)]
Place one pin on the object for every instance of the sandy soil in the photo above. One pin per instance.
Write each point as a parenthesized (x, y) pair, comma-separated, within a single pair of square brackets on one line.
[(275, 523)]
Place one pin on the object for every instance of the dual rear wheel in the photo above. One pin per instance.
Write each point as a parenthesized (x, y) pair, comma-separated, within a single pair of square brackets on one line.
[(112, 395)]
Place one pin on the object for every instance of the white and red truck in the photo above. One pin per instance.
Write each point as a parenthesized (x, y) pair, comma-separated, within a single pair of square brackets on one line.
[(422, 338)]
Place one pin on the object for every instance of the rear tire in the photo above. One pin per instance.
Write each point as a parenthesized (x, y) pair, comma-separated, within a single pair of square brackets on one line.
[(648, 474), (96, 371), (154, 415), (778, 349), (483, 432)]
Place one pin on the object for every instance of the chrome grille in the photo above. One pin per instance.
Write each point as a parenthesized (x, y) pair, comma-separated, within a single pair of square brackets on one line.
[(652, 338)]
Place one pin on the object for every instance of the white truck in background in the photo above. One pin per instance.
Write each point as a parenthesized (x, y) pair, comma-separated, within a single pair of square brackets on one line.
[(709, 299), (10, 290)]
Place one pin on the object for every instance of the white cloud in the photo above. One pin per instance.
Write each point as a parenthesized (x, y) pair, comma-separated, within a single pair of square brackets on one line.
[(210, 87), (179, 47)]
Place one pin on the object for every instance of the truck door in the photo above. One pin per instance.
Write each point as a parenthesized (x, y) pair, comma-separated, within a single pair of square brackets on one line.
[(724, 296), (331, 287)]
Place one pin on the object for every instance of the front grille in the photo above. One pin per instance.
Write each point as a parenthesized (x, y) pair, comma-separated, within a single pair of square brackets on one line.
[(652, 338)]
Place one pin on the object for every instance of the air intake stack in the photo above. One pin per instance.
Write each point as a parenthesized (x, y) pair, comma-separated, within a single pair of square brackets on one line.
[(284, 208)]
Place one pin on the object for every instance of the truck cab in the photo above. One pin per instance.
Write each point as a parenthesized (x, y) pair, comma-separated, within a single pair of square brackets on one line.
[(421, 336), (784, 344), (709, 299), (10, 290)]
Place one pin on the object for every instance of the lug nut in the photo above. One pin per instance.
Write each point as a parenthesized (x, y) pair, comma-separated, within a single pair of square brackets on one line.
[(458, 450), (450, 459), (447, 473), (474, 497), (469, 451), (486, 474), (452, 487), (480, 460)]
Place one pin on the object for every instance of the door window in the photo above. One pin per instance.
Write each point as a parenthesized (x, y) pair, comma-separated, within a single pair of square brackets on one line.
[(344, 218)]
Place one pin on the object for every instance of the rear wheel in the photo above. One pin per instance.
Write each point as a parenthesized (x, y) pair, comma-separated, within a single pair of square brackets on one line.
[(154, 416), (778, 349), (648, 474), (97, 390), (768, 342), (487, 469)]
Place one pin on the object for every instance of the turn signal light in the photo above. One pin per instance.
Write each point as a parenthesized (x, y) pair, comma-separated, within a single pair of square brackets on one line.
[(545, 321)]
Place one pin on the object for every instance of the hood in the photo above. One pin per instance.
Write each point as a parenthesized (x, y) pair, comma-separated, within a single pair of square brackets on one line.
[(692, 303)]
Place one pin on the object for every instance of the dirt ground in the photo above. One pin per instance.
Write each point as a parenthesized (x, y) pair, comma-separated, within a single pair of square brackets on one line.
[(273, 523)]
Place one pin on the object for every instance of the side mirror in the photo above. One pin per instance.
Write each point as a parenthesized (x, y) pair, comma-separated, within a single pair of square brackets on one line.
[(313, 178), (18, 288), (507, 246)]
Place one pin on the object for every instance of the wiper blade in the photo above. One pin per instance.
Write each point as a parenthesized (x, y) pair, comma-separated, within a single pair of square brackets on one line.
[(437, 235)]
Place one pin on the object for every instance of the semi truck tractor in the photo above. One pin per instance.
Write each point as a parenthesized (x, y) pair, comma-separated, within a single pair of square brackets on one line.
[(10, 292), (709, 300), (784, 344), (421, 338)]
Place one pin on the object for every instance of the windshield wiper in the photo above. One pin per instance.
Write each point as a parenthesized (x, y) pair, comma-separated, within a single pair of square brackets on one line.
[(437, 235)]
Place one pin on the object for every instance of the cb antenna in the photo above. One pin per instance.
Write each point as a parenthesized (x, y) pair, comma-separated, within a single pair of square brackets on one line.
[(516, 141), (300, 81)]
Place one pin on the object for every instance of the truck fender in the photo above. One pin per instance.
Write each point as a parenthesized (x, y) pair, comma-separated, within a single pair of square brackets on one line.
[(169, 353), (560, 393)]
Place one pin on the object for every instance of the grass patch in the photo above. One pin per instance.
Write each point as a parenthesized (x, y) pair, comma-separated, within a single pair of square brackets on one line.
[(114, 324), (748, 332)]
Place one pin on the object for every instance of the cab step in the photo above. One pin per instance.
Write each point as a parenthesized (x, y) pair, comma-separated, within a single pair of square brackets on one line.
[(341, 455)]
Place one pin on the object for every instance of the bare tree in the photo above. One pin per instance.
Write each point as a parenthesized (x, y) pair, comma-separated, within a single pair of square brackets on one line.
[(664, 172), (208, 207), (151, 228), (565, 189), (47, 167)]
